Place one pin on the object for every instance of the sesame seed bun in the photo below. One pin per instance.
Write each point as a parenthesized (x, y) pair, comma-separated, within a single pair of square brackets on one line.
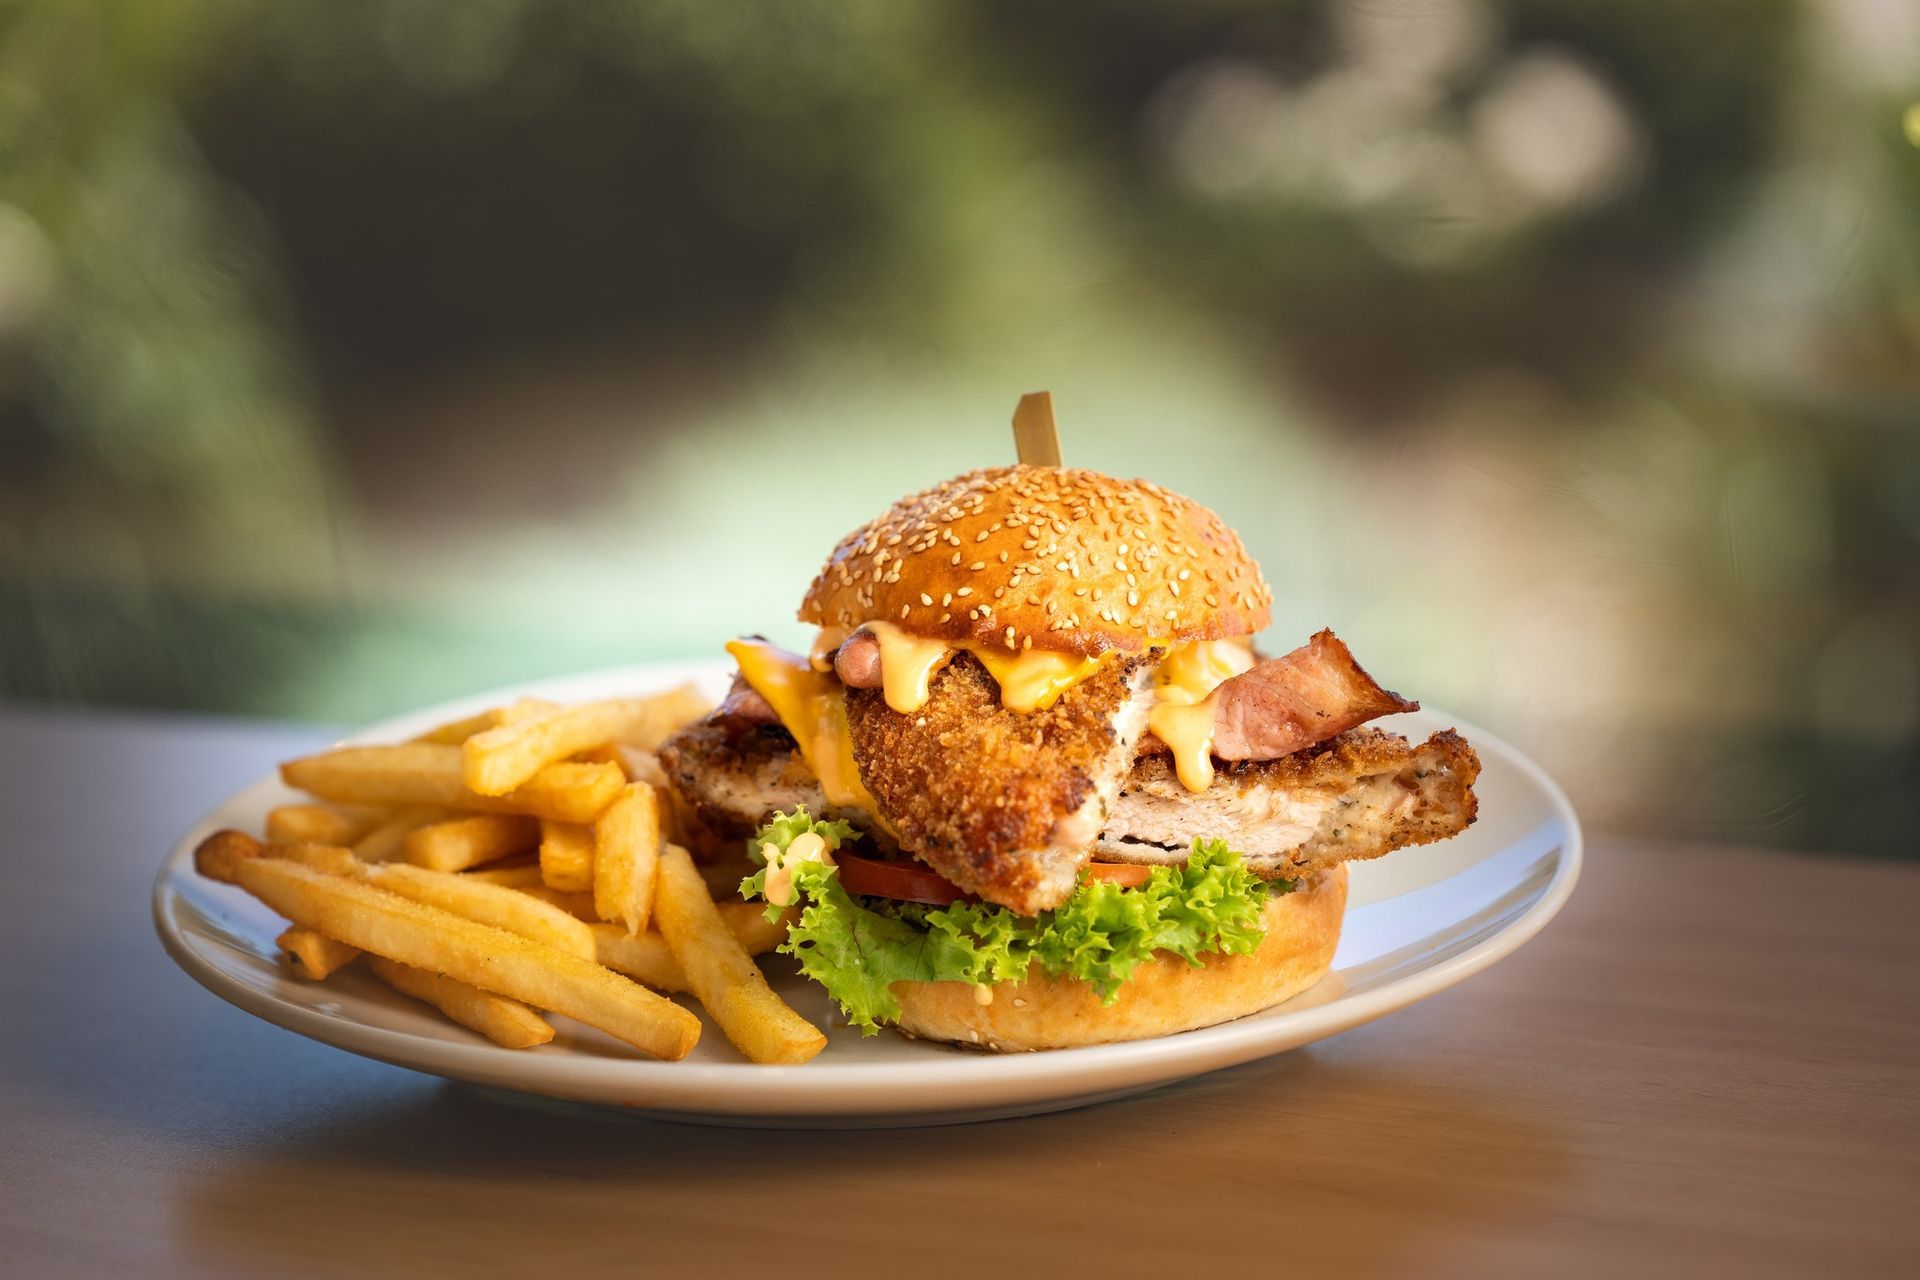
[(1163, 996), (1044, 558)]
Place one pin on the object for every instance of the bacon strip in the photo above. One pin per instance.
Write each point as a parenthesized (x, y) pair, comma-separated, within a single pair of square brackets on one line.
[(1289, 703), (744, 706)]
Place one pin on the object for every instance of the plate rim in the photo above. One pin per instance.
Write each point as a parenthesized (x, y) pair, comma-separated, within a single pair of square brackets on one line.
[(811, 1089)]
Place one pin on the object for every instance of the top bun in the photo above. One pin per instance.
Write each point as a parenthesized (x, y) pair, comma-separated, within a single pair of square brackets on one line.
[(1044, 558)]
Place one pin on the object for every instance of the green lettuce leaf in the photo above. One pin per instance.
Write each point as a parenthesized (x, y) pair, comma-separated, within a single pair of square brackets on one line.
[(780, 831), (858, 947)]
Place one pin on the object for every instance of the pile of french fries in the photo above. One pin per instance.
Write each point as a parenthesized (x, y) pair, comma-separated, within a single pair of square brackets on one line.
[(516, 863)]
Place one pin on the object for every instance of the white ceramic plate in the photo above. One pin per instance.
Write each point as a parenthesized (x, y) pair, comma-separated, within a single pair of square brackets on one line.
[(1419, 922)]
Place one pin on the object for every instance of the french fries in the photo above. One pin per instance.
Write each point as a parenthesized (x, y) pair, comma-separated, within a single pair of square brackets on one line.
[(314, 956), (429, 773), (525, 875), (647, 958), (320, 823), (723, 976), (505, 1022), (496, 761), (461, 843), (491, 904), (577, 905), (389, 836), (455, 732), (566, 856), (507, 964), (513, 862), (626, 852)]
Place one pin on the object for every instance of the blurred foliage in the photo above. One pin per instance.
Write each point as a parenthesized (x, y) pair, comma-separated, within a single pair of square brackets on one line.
[(1565, 353)]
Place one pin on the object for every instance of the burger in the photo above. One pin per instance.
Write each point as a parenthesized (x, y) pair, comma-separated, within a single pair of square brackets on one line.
[(1036, 785)]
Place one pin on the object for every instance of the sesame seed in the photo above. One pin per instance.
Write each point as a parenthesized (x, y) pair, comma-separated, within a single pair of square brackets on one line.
[(946, 600), (977, 565), (904, 608), (927, 599), (1133, 598), (964, 591)]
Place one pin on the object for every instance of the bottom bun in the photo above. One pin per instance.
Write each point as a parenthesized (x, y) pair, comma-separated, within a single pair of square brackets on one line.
[(1164, 995)]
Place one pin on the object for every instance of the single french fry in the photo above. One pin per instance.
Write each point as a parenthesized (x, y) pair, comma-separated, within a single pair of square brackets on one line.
[(497, 760), (389, 837), (428, 773), (566, 856), (330, 858), (320, 823), (723, 976), (455, 732), (500, 1019), (644, 957), (605, 753), (460, 843), (748, 922), (647, 957), (521, 875), (577, 905), (626, 855), (438, 941), (215, 856), (314, 956), (493, 904), (218, 857)]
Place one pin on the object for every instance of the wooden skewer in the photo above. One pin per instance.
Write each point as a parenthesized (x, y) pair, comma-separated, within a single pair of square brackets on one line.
[(1034, 433)]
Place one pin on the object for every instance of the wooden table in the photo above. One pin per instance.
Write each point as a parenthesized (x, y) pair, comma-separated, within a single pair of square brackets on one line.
[(1708, 1065)]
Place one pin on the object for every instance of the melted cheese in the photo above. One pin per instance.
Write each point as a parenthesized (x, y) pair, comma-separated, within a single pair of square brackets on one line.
[(1187, 729), (825, 645), (812, 706), (808, 701), (1033, 680), (907, 664), (1030, 680), (1183, 706)]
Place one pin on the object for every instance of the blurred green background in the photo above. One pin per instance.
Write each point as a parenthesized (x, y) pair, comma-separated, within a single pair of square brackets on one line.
[(1563, 356)]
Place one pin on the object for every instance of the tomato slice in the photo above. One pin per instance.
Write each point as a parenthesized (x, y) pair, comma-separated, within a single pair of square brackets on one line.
[(901, 881), (911, 882), (1125, 874)]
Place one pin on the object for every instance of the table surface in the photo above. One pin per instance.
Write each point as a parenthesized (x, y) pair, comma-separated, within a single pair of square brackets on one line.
[(1708, 1065)]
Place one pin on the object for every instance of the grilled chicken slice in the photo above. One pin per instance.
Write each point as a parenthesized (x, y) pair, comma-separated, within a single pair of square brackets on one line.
[(726, 777), (1362, 794), (1005, 804)]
